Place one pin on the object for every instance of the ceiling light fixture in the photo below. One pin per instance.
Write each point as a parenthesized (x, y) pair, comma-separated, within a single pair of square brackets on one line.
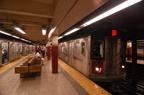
[(5, 33), (20, 30), (60, 37), (14, 36), (115, 9), (43, 31), (72, 31), (25, 40), (119, 7)]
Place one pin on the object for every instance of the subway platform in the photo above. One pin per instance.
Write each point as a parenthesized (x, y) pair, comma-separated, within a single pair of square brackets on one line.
[(67, 81)]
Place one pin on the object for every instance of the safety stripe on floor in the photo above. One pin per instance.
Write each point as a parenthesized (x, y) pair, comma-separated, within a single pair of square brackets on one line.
[(88, 85), (11, 65), (76, 86)]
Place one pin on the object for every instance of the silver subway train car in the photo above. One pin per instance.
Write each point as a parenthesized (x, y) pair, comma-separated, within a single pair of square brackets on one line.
[(11, 50), (100, 58)]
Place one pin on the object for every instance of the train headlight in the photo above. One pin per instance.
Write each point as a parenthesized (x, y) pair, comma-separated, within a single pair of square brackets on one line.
[(123, 66), (97, 66), (97, 69)]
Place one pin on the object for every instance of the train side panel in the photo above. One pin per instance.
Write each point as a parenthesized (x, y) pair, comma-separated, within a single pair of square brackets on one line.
[(11, 50), (82, 55), (76, 53)]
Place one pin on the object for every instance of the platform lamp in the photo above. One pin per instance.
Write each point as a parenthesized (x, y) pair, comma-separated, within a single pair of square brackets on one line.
[(44, 29)]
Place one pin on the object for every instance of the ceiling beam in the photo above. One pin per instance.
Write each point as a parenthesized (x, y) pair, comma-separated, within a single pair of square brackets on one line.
[(22, 23), (25, 13)]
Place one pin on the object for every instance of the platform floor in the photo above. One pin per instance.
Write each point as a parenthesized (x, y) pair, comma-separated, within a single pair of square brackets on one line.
[(66, 82)]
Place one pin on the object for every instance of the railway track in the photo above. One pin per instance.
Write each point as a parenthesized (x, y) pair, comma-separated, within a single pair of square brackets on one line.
[(130, 85)]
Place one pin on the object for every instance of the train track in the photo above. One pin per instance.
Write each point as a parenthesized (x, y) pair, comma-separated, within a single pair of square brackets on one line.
[(129, 85)]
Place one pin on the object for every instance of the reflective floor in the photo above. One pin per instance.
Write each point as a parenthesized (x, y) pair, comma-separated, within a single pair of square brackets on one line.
[(66, 82)]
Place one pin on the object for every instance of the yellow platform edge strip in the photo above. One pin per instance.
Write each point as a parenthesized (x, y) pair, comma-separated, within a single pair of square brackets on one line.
[(9, 65), (89, 86)]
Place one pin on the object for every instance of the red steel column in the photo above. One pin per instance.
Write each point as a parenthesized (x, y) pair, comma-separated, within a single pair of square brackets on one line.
[(48, 50), (55, 54)]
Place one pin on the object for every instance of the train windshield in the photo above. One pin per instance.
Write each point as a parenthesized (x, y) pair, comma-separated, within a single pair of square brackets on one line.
[(97, 50)]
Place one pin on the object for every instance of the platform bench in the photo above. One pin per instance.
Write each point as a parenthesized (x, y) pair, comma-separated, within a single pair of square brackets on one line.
[(31, 67)]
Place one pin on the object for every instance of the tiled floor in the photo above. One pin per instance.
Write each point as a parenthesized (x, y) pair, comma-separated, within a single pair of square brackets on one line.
[(46, 84), (49, 84), (87, 84)]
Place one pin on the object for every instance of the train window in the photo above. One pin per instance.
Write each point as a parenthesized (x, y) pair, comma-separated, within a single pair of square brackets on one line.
[(140, 51), (129, 51), (98, 49), (20, 49), (63, 47), (76, 48), (83, 48)]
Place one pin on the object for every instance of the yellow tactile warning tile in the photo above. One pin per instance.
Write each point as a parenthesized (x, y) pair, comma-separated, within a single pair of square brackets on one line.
[(6, 67), (87, 84)]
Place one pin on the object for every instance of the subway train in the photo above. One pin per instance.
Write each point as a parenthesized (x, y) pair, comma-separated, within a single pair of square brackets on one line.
[(13, 49), (99, 56)]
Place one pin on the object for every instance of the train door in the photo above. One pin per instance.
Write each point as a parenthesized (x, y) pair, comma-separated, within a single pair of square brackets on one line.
[(24, 49), (5, 52), (27, 49), (20, 50), (71, 53), (16, 48), (85, 55)]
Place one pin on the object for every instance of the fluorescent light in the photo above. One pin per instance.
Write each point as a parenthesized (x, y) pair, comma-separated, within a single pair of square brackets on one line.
[(111, 11), (5, 33), (20, 30), (22, 39), (72, 31), (43, 31), (60, 37), (25, 40), (16, 37)]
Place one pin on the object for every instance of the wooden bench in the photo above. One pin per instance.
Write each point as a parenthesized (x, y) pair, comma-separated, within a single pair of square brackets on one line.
[(31, 67)]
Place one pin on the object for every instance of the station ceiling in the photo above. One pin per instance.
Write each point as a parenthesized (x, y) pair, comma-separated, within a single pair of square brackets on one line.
[(34, 15), (29, 15)]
